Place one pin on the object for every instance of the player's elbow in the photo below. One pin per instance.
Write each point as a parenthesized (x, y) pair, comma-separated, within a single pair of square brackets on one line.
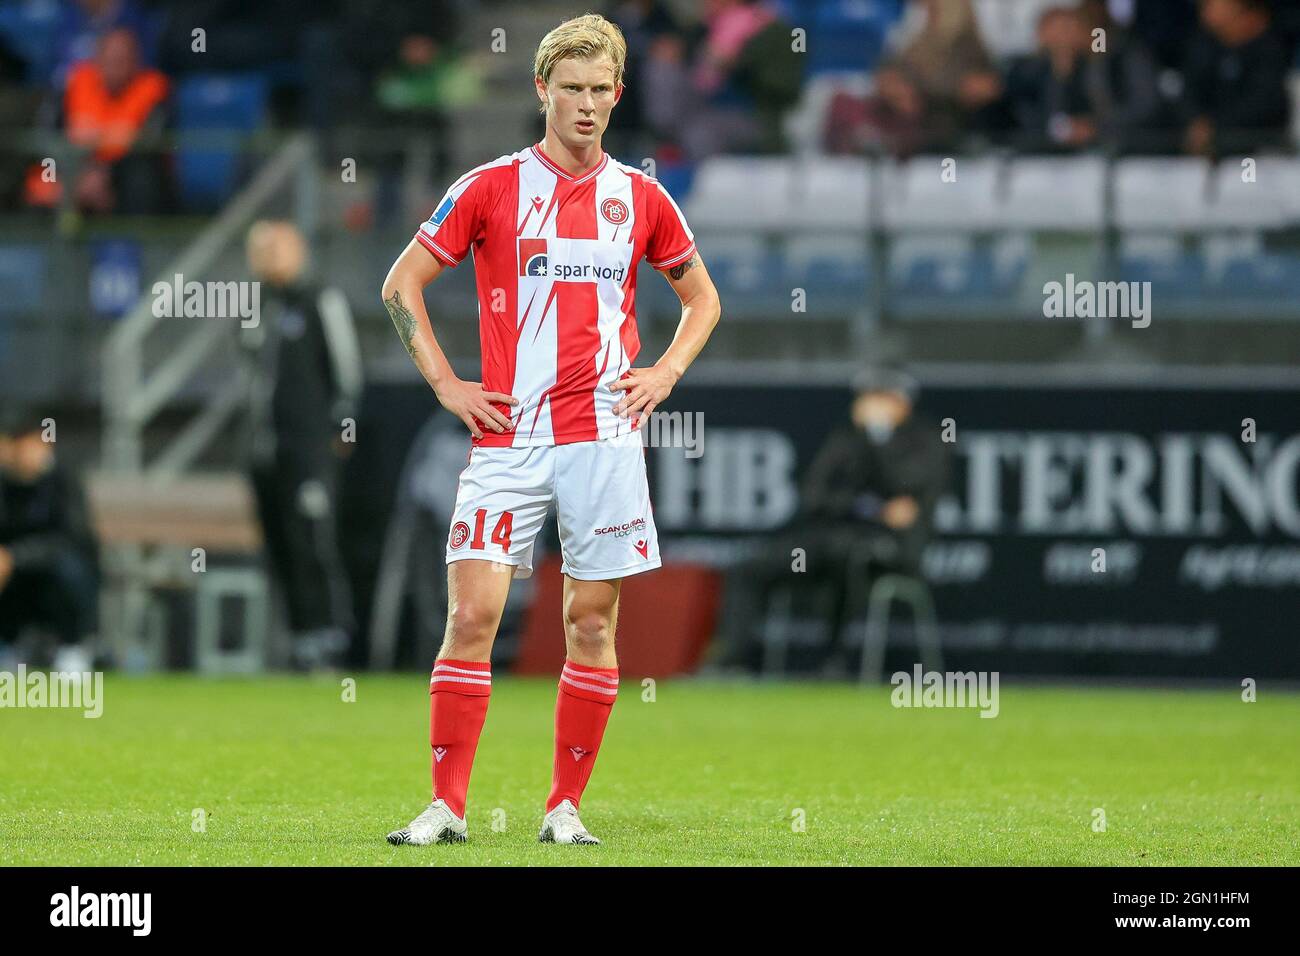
[(393, 283), (397, 289), (389, 287), (709, 304)]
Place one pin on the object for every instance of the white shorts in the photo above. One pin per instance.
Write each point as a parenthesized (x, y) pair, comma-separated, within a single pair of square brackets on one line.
[(602, 506)]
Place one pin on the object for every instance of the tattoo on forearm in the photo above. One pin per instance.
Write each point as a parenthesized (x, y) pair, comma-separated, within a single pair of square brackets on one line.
[(404, 320), (680, 270)]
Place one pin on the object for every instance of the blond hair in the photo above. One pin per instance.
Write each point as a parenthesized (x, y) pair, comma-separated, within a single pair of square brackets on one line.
[(586, 37)]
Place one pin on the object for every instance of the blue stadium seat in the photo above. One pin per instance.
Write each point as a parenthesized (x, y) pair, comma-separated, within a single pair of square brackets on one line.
[(31, 31), (232, 105), (848, 35), (1179, 279), (22, 278)]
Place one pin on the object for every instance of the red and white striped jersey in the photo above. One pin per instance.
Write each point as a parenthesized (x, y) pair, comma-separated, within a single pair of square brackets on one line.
[(555, 259)]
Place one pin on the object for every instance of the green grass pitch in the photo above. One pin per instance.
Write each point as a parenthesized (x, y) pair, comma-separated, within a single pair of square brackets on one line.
[(288, 773)]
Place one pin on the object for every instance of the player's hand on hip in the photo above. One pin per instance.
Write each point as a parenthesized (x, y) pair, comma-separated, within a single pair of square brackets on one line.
[(643, 389), (469, 402)]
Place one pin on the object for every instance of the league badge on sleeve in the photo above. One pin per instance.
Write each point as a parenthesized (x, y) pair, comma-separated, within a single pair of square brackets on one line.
[(443, 211)]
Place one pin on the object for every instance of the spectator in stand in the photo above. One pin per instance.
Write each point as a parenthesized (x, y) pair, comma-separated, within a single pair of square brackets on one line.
[(1122, 84), (114, 109), (1074, 95), (86, 22), (951, 72), (748, 76), (1236, 99), (667, 87), (891, 120), (1048, 94), (377, 38), (381, 68), (644, 23)]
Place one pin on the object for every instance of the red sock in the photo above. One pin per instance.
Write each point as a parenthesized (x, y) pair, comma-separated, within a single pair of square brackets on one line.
[(458, 703), (581, 711)]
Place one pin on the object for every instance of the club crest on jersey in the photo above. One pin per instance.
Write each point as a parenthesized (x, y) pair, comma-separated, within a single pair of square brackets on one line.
[(443, 211), (459, 534), (615, 211), (532, 257)]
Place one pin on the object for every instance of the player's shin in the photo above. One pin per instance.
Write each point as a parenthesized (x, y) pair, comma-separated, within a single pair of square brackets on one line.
[(458, 703), (582, 710)]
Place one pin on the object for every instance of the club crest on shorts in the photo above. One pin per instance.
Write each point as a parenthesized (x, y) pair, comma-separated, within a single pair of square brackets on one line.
[(615, 211), (459, 534)]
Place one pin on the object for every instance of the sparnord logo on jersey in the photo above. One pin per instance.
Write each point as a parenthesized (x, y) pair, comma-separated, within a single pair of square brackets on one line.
[(537, 259), (72, 909)]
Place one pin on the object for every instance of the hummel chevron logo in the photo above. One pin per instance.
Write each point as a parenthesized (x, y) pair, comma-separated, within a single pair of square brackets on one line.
[(439, 753), (642, 549), (578, 753)]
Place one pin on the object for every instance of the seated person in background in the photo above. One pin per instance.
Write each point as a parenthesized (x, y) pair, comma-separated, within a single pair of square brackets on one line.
[(866, 508), (1049, 94), (1123, 84), (84, 23), (1235, 94), (951, 71), (746, 78), (891, 120), (48, 567), (113, 108)]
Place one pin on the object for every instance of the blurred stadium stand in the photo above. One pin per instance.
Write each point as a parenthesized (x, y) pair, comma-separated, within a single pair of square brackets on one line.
[(890, 256)]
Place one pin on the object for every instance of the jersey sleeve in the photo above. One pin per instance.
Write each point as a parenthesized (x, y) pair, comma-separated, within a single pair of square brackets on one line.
[(457, 222), (671, 241)]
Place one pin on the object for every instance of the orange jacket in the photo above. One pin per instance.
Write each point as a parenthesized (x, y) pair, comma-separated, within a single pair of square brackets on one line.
[(96, 118)]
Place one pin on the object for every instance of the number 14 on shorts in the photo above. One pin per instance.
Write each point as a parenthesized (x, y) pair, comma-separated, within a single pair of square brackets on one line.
[(500, 532)]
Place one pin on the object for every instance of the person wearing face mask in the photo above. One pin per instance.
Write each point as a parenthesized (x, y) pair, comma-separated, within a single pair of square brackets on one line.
[(868, 498), (48, 565)]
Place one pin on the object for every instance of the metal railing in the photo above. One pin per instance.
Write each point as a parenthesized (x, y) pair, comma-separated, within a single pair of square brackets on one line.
[(133, 396)]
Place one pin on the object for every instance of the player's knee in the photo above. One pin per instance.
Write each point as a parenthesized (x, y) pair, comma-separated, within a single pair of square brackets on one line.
[(470, 623), (589, 630)]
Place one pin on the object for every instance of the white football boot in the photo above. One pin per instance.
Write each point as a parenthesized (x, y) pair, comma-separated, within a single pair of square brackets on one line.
[(437, 824), (562, 825)]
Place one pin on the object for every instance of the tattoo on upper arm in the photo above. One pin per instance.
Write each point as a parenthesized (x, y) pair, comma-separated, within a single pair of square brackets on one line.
[(403, 318), (678, 271)]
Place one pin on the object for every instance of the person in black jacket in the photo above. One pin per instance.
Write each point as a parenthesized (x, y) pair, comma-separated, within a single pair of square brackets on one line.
[(48, 566), (1069, 98), (307, 384), (1236, 98), (866, 507)]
